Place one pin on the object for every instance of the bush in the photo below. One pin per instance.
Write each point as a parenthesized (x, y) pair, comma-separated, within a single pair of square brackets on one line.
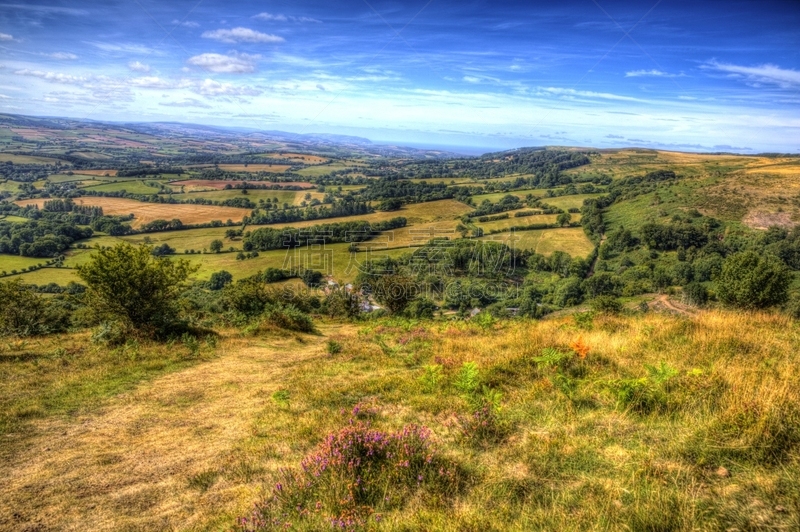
[(421, 307), (288, 317), (394, 291), (23, 312), (248, 297), (341, 303), (752, 281), (126, 284), (606, 305), (354, 473), (695, 294), (311, 278), (220, 280)]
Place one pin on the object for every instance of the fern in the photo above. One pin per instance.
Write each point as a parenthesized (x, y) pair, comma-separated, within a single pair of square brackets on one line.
[(431, 378), (553, 357), (468, 378), (388, 351), (662, 373)]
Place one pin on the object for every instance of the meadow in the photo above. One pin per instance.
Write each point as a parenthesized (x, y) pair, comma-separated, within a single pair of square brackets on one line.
[(578, 422)]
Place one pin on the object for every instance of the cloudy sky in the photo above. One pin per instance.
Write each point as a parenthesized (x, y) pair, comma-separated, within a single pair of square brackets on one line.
[(690, 75)]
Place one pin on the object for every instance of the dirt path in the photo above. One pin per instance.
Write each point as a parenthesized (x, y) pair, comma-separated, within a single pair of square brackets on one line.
[(663, 302), (143, 461)]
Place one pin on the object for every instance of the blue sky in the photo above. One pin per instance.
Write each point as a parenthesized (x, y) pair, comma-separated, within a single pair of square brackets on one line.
[(688, 75)]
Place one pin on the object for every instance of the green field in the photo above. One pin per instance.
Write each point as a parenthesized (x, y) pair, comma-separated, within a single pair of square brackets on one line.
[(494, 197), (569, 202), (137, 186), (571, 240), (28, 159), (15, 262)]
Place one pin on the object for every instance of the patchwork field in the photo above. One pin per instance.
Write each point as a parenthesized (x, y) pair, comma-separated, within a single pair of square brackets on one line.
[(211, 184), (147, 212), (272, 168)]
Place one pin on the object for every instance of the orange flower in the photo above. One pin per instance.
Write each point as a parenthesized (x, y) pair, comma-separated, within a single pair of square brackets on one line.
[(580, 347)]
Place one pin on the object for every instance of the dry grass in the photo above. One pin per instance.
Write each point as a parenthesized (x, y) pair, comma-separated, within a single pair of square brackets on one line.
[(162, 456), (571, 240), (147, 212), (193, 449)]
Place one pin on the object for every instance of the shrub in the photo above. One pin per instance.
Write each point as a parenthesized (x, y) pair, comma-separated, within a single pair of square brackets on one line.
[(353, 475), (341, 303), (219, 280), (333, 347), (421, 307), (288, 317), (23, 312), (248, 297), (126, 284), (695, 294), (394, 291), (750, 281), (606, 305)]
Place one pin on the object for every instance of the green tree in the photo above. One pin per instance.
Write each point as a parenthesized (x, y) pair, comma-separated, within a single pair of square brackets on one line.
[(749, 280), (219, 280), (564, 219), (23, 312), (128, 285), (216, 246), (394, 291)]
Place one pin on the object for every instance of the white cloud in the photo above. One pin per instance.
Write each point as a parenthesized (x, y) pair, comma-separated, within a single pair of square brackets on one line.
[(186, 23), (472, 79), (154, 82), (6, 37), (130, 48), (650, 73), (224, 64), (189, 102), (284, 18), (587, 94), (4, 97), (770, 74), (270, 16), (241, 35), (49, 10), (63, 56), (212, 88), (56, 77), (137, 66)]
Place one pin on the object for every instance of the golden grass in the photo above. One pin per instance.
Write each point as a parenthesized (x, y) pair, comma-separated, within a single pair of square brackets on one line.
[(196, 448), (571, 240), (147, 212)]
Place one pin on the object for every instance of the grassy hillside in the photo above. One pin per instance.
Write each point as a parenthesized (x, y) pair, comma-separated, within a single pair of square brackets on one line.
[(646, 421)]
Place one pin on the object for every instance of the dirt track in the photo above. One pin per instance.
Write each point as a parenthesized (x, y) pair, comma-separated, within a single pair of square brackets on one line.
[(130, 465)]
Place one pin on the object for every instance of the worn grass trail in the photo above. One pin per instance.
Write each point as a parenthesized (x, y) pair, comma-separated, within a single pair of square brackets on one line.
[(161, 457)]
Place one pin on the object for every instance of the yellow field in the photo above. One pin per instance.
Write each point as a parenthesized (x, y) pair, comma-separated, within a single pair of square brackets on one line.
[(572, 240), (110, 173), (277, 168), (147, 212), (299, 157), (512, 221)]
